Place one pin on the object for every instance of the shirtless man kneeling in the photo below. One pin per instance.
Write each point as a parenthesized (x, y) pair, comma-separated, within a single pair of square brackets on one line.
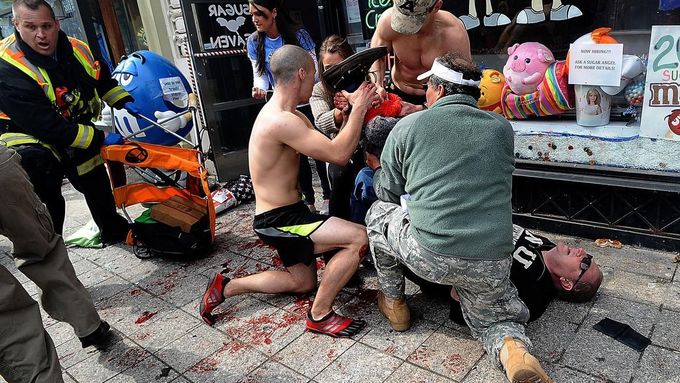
[(282, 220), (416, 32)]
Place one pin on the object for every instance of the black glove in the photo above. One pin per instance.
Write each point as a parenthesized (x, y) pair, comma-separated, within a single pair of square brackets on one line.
[(623, 333)]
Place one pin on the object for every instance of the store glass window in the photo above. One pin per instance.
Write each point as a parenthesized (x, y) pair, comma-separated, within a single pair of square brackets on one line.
[(599, 129), (557, 23), (6, 27), (228, 78), (130, 23), (579, 133)]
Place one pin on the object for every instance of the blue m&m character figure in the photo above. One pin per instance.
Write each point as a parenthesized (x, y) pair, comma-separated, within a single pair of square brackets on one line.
[(160, 91)]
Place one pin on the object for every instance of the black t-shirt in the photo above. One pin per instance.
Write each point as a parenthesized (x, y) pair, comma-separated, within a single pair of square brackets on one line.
[(528, 273)]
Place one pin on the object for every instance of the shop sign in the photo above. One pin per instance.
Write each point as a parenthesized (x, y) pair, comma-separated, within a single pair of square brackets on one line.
[(595, 64), (173, 90), (661, 105), (370, 11), (223, 25)]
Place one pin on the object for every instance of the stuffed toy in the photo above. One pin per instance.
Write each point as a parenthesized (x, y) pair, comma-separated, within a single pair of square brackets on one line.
[(491, 87), (160, 90), (535, 84), (632, 66), (526, 66), (553, 96)]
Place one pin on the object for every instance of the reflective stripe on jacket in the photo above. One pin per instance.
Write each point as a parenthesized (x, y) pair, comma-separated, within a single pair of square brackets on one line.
[(17, 139)]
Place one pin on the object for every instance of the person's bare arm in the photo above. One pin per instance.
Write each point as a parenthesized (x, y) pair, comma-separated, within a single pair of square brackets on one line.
[(381, 38), (408, 108), (314, 144), (456, 37)]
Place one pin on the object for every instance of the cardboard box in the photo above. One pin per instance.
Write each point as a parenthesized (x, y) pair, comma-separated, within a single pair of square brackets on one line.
[(188, 202), (178, 212)]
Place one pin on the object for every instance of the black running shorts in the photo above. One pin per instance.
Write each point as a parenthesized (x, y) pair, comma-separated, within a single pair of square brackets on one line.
[(288, 228)]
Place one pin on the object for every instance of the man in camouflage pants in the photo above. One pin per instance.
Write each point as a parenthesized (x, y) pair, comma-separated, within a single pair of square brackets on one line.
[(451, 165)]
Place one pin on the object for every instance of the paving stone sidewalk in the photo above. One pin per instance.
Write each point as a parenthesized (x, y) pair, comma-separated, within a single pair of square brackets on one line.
[(152, 306)]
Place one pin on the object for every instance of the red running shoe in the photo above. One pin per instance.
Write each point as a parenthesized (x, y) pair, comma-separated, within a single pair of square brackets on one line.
[(335, 325), (212, 297)]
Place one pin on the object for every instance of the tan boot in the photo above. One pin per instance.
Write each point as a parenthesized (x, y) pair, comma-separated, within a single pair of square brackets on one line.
[(520, 366), (396, 311)]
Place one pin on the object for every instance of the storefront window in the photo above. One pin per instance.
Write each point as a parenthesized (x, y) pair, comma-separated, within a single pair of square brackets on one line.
[(578, 135), (493, 26), (228, 78), (556, 24), (630, 20), (131, 27), (6, 27)]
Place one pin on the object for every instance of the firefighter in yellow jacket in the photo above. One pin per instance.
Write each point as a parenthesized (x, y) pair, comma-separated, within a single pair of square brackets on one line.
[(50, 91)]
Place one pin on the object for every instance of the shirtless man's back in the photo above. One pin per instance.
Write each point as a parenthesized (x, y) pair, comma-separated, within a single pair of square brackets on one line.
[(282, 220), (271, 162), (416, 32)]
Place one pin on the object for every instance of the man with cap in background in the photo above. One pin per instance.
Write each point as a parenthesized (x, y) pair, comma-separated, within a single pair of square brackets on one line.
[(456, 227), (415, 32)]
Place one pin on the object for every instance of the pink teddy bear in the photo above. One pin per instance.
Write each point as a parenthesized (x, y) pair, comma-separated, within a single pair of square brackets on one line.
[(526, 66)]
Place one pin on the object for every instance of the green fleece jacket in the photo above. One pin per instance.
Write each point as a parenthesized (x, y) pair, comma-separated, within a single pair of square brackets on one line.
[(456, 162)]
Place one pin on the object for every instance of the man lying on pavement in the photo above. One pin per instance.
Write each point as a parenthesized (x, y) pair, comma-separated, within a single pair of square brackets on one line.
[(541, 271)]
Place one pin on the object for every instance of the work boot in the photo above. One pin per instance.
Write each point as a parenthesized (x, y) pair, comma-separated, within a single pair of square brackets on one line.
[(99, 338), (396, 311), (520, 366), (116, 231)]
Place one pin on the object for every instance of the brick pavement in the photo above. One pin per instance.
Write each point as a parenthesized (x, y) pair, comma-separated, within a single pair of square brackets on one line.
[(158, 336)]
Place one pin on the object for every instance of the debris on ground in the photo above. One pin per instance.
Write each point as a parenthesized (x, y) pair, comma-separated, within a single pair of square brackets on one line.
[(606, 242)]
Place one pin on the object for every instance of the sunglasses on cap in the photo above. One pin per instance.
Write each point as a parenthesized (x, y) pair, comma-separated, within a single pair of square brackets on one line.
[(585, 265)]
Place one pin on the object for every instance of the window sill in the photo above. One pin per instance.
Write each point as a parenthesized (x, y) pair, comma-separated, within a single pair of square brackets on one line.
[(614, 145), (614, 131)]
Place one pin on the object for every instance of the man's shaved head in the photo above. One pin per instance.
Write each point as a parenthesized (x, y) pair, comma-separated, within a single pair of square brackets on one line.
[(286, 61)]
